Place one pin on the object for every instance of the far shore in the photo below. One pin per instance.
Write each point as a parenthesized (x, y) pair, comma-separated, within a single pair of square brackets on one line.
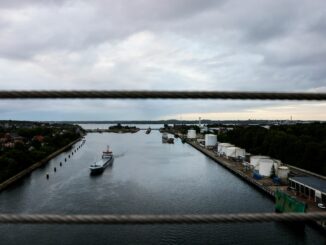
[(117, 131)]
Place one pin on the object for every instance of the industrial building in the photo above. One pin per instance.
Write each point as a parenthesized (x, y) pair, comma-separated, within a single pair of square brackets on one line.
[(311, 187)]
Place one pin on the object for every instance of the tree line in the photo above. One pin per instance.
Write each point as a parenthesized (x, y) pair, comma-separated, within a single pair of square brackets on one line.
[(22, 155)]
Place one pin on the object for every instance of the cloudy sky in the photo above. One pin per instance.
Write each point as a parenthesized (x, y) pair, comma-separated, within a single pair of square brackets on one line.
[(231, 45)]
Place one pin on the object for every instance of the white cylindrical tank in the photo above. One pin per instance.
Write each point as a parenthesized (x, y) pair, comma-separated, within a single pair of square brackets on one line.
[(283, 172), (265, 166), (224, 149), (220, 146), (210, 139), (191, 134), (255, 159), (235, 152), (279, 163)]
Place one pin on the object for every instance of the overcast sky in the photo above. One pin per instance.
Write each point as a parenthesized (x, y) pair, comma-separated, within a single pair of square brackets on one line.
[(231, 45)]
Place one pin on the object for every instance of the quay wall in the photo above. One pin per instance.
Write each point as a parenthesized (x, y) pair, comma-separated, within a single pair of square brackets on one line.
[(228, 166), (36, 165)]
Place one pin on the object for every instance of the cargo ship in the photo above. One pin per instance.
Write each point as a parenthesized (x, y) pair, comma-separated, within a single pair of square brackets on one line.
[(99, 166)]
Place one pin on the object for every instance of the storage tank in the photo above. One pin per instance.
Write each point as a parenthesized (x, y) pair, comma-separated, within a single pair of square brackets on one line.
[(224, 148), (283, 172), (235, 152), (221, 145), (265, 166), (255, 159), (191, 134), (210, 140)]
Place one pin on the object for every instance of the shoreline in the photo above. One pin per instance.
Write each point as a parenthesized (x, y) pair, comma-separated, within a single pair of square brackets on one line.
[(34, 166), (117, 131), (221, 161)]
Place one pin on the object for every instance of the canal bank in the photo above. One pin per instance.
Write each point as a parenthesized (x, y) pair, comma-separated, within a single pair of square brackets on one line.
[(36, 165), (232, 168)]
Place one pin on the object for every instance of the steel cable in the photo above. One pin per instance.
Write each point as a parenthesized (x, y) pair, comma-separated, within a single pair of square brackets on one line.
[(158, 219), (93, 94)]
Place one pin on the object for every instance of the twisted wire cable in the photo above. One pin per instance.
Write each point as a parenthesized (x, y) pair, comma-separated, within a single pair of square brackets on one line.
[(124, 94), (158, 219)]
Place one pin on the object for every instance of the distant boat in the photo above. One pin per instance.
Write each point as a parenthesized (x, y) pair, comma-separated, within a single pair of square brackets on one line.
[(148, 131), (170, 141), (166, 139), (99, 166)]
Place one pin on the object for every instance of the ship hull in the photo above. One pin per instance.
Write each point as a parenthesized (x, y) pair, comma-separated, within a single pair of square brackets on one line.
[(99, 168)]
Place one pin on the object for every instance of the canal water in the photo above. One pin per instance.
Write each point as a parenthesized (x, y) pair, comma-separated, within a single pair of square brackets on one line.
[(147, 177)]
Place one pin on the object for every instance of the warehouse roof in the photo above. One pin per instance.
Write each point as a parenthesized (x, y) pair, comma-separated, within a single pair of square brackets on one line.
[(311, 181)]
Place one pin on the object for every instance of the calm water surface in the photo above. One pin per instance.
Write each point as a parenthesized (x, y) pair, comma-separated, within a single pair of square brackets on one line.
[(147, 177)]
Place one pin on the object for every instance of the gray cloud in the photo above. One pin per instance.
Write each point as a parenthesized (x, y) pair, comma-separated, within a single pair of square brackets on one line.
[(172, 45), (18, 4)]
